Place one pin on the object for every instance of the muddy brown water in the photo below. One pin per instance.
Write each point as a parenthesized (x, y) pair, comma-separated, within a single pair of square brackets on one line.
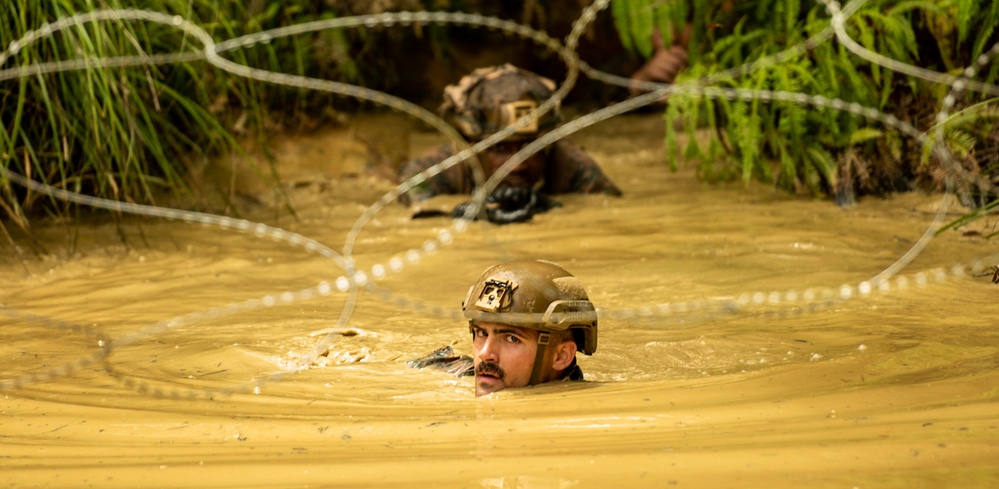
[(898, 389)]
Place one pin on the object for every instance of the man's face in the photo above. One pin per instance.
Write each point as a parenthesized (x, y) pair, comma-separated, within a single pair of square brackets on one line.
[(503, 356), (527, 172)]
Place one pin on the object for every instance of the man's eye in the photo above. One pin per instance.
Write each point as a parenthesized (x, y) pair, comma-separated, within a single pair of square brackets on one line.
[(513, 339)]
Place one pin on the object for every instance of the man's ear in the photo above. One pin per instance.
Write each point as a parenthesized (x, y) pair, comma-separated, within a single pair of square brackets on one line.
[(565, 353)]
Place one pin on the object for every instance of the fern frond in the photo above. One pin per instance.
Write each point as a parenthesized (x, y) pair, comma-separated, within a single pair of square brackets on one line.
[(669, 18), (730, 51), (693, 150), (900, 38), (621, 11), (788, 175), (960, 142), (792, 116), (764, 11), (673, 110), (745, 128), (966, 10), (983, 211), (806, 80), (987, 110), (913, 5), (864, 135), (642, 24), (983, 36), (811, 176), (865, 37), (823, 162)]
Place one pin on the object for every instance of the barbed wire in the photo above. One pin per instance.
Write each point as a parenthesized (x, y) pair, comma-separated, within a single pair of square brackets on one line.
[(353, 280)]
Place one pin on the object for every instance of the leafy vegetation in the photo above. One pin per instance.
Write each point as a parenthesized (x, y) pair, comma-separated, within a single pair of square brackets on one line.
[(130, 133), (819, 150)]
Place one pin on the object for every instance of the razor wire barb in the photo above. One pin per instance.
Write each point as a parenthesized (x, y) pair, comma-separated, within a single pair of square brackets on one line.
[(353, 280)]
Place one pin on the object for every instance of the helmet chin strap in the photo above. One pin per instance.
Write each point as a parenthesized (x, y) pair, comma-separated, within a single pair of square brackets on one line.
[(539, 358)]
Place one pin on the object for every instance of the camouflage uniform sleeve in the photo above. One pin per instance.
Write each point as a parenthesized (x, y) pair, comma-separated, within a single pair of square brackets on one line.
[(571, 170), (446, 182), (444, 358)]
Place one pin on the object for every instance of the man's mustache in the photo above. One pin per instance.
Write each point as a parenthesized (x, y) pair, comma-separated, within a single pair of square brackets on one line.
[(493, 369)]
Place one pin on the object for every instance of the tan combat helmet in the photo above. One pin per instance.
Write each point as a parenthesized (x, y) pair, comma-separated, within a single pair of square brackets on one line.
[(493, 98), (539, 295)]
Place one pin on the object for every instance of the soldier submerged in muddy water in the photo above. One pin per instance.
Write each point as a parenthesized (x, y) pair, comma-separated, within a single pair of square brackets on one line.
[(528, 320), (485, 102)]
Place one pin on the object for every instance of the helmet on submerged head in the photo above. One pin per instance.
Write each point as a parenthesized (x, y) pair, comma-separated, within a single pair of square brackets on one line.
[(538, 295), (493, 98)]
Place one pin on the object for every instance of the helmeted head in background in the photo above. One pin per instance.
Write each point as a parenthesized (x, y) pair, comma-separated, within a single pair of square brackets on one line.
[(528, 319), (493, 98)]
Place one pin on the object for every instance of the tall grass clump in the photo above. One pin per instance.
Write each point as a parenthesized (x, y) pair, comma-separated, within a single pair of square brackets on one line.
[(131, 133), (819, 150)]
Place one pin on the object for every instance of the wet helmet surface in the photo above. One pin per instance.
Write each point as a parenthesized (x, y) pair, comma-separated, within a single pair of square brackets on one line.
[(493, 98), (538, 295)]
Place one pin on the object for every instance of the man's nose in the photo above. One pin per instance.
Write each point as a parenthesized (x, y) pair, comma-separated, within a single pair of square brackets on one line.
[(490, 349)]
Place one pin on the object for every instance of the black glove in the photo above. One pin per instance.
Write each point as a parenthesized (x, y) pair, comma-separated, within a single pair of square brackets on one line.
[(511, 204)]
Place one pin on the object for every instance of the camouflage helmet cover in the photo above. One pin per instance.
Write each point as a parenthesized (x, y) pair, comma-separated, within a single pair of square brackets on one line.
[(538, 295), (493, 98)]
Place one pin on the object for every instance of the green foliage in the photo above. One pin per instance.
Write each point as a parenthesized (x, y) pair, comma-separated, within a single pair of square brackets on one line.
[(990, 209), (129, 133), (637, 19), (799, 147)]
